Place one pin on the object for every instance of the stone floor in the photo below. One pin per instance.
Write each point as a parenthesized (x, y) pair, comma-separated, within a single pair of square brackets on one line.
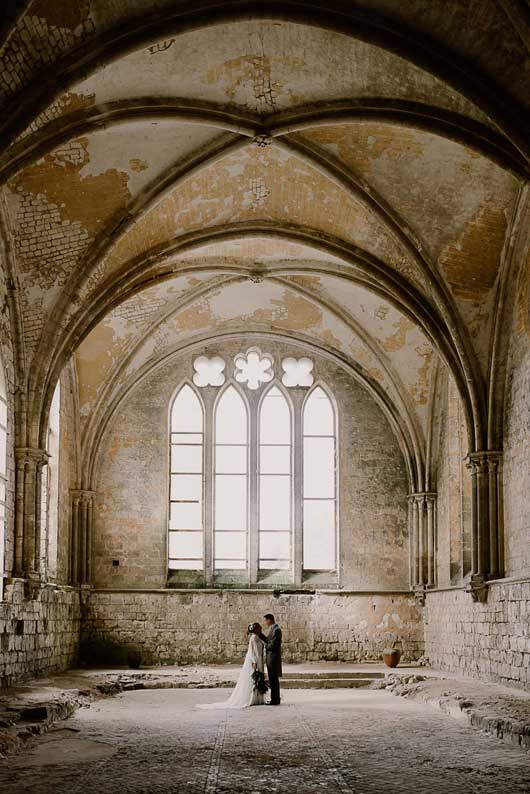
[(361, 741)]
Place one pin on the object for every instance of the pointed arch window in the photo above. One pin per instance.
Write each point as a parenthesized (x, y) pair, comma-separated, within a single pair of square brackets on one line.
[(50, 491), (231, 482), (252, 484), (186, 524), (319, 482), (3, 469), (275, 481)]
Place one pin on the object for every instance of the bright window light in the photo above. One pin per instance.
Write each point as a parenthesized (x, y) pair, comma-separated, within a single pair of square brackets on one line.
[(50, 491), (209, 371), (256, 517), (186, 529), (253, 369), (297, 372), (319, 482), (230, 481), (275, 481)]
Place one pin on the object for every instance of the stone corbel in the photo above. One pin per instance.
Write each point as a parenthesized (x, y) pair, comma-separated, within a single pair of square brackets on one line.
[(419, 592), (477, 588)]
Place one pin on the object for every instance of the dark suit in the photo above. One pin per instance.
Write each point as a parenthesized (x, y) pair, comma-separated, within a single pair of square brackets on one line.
[(273, 657)]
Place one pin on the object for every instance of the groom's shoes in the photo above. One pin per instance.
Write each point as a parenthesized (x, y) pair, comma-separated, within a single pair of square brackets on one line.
[(275, 703)]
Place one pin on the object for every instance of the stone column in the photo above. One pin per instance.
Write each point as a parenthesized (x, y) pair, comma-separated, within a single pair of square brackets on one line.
[(29, 465), (81, 526), (430, 501), (487, 528), (422, 522), (414, 537)]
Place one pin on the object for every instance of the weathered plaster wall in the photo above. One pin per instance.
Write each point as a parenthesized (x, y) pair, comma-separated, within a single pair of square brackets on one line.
[(68, 464), (453, 547), (171, 626), (175, 627), (516, 463), (489, 641), (132, 480), (149, 326), (492, 640), (38, 636), (260, 51), (7, 360)]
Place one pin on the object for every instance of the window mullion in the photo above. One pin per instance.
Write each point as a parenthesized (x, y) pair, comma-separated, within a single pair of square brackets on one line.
[(253, 526), (208, 491), (297, 485)]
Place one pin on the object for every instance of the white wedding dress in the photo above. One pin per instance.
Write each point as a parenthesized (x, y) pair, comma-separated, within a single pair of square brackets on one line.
[(244, 695)]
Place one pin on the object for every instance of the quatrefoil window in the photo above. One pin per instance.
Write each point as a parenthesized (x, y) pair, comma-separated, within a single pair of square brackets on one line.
[(297, 372), (209, 371), (253, 368)]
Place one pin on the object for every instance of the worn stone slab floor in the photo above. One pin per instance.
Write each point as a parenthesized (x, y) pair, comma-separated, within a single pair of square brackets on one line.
[(361, 741)]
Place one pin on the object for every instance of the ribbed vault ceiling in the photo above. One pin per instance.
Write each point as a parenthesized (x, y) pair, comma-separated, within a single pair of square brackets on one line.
[(356, 189)]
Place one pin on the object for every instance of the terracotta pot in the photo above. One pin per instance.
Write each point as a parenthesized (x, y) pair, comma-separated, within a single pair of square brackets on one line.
[(391, 657)]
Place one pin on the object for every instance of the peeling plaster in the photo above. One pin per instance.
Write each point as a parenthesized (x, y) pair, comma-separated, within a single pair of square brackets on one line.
[(264, 306), (263, 66), (288, 191)]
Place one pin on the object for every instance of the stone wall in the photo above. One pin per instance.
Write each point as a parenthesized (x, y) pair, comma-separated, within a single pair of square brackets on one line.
[(39, 636), (209, 626), (8, 363), (133, 483), (453, 485), (489, 641)]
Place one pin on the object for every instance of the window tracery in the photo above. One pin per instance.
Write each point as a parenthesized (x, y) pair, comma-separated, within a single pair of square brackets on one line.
[(265, 464)]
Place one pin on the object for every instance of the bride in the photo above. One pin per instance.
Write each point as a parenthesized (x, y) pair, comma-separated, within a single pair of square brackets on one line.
[(245, 694)]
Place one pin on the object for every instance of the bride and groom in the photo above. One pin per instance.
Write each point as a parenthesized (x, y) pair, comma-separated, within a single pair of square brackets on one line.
[(250, 689)]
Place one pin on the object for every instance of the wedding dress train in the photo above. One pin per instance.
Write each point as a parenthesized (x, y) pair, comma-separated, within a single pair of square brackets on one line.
[(244, 694)]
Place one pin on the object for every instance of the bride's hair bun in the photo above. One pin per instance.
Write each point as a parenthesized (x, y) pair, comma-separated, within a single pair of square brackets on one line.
[(250, 628)]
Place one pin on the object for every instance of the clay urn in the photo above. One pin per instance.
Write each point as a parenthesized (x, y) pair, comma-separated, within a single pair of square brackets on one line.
[(391, 657)]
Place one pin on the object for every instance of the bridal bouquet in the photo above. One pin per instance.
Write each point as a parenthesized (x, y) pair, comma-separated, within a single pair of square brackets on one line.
[(260, 685)]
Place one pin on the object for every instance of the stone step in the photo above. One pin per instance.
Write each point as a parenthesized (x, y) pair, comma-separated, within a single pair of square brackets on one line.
[(326, 683), (306, 676)]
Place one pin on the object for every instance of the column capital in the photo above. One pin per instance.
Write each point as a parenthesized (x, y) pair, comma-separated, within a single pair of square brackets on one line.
[(483, 458), (83, 495), (31, 455), (422, 496)]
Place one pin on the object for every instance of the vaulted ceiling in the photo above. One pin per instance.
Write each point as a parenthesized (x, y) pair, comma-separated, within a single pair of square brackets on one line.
[(352, 176)]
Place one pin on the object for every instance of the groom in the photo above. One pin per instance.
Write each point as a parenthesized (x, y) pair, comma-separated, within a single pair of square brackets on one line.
[(273, 657)]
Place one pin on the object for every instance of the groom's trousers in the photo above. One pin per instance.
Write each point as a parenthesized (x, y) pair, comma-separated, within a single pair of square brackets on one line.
[(274, 684)]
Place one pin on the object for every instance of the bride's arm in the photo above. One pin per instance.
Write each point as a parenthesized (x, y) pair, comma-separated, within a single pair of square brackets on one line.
[(255, 650)]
